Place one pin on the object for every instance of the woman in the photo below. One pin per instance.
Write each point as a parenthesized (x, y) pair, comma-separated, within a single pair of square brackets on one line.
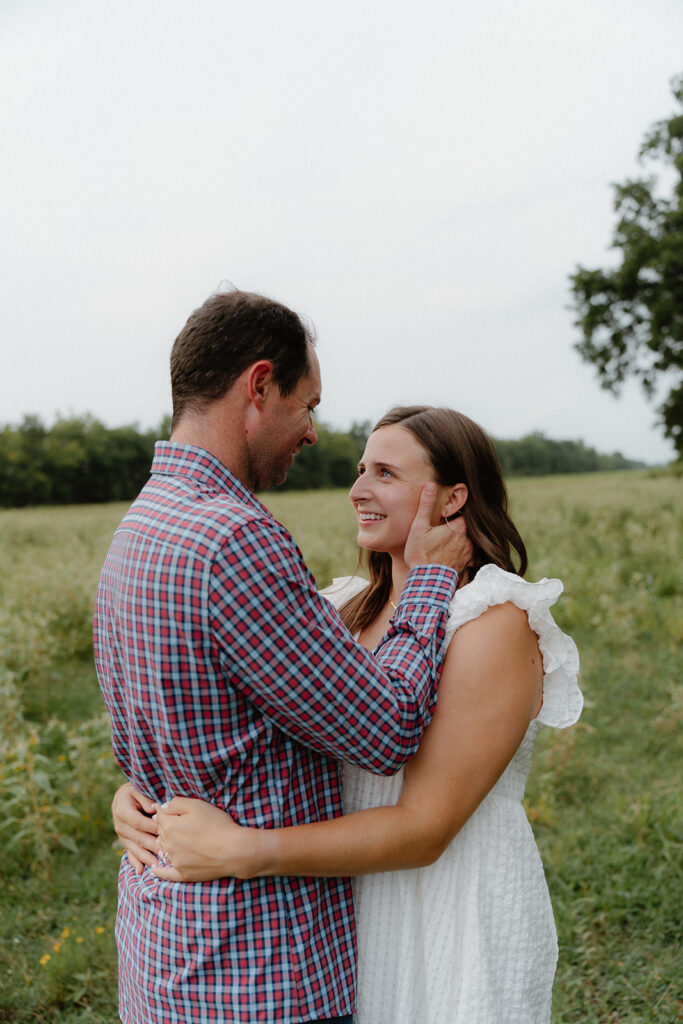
[(453, 914)]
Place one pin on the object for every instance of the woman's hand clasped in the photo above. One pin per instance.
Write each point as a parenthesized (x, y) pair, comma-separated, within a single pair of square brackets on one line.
[(202, 842)]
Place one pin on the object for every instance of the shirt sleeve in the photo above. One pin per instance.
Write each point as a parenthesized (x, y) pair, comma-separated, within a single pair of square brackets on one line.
[(285, 648)]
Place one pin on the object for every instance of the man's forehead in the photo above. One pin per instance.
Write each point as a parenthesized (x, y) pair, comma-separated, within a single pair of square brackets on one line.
[(312, 381)]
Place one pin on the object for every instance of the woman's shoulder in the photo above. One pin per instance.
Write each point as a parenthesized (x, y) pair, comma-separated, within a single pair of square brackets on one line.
[(495, 586), (343, 588), (502, 599)]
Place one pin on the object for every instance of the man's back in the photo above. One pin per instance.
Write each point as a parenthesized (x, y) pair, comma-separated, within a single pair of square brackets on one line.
[(170, 583)]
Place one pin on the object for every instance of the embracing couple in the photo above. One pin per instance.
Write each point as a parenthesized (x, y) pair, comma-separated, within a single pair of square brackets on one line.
[(278, 741)]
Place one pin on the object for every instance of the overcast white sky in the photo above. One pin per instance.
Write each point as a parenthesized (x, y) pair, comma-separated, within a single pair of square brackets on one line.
[(418, 179)]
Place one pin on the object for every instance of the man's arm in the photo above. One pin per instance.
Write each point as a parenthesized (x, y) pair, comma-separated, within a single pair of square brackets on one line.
[(285, 648)]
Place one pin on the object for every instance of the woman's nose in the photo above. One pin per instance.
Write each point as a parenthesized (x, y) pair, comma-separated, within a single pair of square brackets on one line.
[(358, 490)]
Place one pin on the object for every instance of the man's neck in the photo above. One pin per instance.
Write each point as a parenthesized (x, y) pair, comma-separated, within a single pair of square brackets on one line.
[(220, 439)]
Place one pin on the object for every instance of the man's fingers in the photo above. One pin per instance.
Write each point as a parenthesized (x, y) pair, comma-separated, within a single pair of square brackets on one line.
[(423, 516)]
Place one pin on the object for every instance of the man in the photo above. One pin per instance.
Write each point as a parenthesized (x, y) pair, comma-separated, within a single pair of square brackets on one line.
[(228, 678)]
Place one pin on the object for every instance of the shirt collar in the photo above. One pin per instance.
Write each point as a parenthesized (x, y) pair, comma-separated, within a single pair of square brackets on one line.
[(205, 471)]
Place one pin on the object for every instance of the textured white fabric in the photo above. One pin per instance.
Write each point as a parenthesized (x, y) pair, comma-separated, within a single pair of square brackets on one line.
[(470, 939)]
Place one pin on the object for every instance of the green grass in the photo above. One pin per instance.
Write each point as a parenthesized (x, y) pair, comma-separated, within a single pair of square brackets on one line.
[(604, 797)]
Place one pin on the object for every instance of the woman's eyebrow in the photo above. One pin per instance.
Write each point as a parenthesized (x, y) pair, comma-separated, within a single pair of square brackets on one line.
[(384, 465)]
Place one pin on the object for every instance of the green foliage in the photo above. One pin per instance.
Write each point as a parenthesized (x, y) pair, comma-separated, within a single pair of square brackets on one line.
[(55, 784), (332, 462), (57, 861), (604, 797), (81, 461), (536, 455), (76, 460), (631, 316)]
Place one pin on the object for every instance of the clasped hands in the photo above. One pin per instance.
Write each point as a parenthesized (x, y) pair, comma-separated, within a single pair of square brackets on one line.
[(164, 838)]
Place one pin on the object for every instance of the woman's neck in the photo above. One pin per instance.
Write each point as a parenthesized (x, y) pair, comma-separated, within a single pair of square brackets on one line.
[(399, 572)]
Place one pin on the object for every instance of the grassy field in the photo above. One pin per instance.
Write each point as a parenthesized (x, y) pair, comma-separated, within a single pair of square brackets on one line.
[(604, 797)]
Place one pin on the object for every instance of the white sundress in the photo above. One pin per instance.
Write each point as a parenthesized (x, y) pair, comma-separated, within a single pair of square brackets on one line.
[(471, 938)]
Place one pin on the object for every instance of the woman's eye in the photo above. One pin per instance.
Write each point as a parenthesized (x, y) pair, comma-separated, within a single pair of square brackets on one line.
[(385, 472)]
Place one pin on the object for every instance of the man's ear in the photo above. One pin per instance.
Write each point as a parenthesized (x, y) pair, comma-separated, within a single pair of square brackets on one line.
[(457, 496), (259, 381)]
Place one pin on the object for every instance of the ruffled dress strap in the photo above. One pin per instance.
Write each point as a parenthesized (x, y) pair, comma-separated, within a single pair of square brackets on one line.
[(562, 698), (343, 588)]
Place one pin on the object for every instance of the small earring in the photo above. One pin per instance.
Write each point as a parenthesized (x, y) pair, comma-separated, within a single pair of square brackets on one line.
[(449, 519)]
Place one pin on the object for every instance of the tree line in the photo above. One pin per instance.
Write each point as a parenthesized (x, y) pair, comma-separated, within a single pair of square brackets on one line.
[(79, 460)]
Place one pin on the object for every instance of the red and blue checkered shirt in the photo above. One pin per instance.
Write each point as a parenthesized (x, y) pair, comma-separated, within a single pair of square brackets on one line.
[(227, 677)]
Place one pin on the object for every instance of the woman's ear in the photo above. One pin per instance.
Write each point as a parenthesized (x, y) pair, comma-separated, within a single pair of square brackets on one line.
[(457, 496)]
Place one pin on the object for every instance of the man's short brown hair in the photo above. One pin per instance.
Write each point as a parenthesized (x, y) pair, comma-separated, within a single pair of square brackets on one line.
[(228, 333)]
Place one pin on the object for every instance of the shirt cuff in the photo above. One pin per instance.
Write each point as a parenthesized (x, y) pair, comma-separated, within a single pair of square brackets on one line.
[(432, 585)]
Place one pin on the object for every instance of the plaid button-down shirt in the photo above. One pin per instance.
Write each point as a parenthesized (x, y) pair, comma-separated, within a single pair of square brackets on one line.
[(228, 677)]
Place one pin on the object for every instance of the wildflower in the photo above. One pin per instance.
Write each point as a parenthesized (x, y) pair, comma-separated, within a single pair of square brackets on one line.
[(79, 938), (66, 933), (44, 959), (56, 948), (99, 930)]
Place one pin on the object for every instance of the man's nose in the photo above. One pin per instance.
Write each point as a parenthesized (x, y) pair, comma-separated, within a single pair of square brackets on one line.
[(311, 435)]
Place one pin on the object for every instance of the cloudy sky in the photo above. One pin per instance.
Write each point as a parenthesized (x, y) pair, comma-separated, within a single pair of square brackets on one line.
[(417, 179)]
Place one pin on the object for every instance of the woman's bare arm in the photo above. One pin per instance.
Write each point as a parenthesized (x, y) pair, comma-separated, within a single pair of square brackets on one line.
[(490, 689)]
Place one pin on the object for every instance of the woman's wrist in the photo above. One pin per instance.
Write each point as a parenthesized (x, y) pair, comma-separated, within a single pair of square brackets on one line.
[(261, 854)]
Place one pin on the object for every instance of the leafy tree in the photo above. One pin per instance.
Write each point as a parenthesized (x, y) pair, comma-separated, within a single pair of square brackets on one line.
[(632, 316), (537, 455), (360, 432)]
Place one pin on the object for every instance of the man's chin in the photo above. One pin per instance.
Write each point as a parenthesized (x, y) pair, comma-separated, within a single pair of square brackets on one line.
[(278, 476), (277, 480)]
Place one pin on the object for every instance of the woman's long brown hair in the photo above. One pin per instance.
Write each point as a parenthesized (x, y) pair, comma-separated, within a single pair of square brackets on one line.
[(460, 452)]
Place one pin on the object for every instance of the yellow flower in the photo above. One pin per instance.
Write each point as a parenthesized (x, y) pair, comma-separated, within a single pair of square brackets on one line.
[(79, 938), (56, 948), (44, 958), (99, 930), (65, 933), (61, 757)]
